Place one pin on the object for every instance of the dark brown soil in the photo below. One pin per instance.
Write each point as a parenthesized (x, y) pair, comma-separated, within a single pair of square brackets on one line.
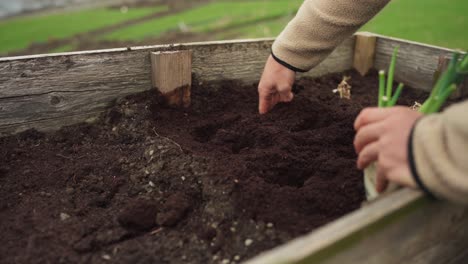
[(151, 184)]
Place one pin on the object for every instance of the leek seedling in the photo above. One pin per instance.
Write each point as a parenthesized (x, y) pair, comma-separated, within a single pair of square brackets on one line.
[(391, 72), (386, 99), (381, 88), (456, 71), (386, 96), (396, 95), (446, 84)]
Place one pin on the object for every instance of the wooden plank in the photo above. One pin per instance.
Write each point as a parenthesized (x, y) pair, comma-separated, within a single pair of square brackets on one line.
[(102, 76), (364, 52), (54, 123), (53, 105), (172, 76), (389, 230), (416, 63)]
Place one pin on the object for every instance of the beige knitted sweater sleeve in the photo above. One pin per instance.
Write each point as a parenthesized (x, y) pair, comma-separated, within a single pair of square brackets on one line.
[(438, 153), (320, 26)]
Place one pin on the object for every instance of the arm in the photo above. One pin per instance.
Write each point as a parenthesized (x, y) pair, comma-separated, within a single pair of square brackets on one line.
[(318, 28), (429, 152), (439, 153)]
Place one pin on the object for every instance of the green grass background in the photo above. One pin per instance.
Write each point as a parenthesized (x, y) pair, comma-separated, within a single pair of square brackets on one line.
[(437, 22), (19, 33), (211, 17)]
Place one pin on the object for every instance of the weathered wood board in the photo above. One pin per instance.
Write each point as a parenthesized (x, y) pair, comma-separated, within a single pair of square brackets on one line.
[(403, 227), (416, 63), (65, 88), (172, 76), (364, 52)]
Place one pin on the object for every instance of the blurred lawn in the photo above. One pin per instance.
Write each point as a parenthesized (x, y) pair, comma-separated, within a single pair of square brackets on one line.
[(19, 33), (429, 21), (443, 23), (215, 16), (437, 22)]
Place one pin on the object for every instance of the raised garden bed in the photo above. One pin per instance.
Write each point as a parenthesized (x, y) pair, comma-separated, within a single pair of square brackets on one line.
[(209, 184)]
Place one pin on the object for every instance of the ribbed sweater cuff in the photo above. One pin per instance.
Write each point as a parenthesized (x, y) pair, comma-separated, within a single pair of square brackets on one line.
[(412, 165), (287, 65)]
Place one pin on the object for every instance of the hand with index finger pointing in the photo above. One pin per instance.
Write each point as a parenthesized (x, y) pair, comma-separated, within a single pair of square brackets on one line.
[(275, 85)]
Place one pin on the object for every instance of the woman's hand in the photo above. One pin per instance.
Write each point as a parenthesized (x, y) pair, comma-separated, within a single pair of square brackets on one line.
[(275, 85), (382, 136)]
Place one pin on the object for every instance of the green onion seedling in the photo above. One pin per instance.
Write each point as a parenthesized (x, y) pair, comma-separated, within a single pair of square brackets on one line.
[(447, 83), (386, 99)]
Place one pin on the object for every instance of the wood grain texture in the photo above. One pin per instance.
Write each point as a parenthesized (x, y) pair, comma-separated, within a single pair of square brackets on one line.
[(402, 227), (416, 62), (172, 76), (46, 87), (364, 52)]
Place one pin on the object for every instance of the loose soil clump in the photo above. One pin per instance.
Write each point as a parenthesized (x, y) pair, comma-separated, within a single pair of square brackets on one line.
[(151, 184)]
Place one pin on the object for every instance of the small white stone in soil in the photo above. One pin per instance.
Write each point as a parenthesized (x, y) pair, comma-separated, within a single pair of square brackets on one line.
[(151, 184), (151, 152), (106, 257), (270, 225), (233, 229), (248, 242), (215, 257), (183, 178), (236, 257), (225, 261), (64, 216)]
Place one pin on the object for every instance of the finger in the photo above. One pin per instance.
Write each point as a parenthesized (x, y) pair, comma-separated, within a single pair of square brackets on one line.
[(367, 135), (402, 176), (286, 97), (368, 155), (371, 115), (381, 181), (275, 99), (264, 104)]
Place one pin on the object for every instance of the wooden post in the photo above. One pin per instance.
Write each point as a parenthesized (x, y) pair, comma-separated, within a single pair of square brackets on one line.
[(364, 52), (172, 76), (462, 89)]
